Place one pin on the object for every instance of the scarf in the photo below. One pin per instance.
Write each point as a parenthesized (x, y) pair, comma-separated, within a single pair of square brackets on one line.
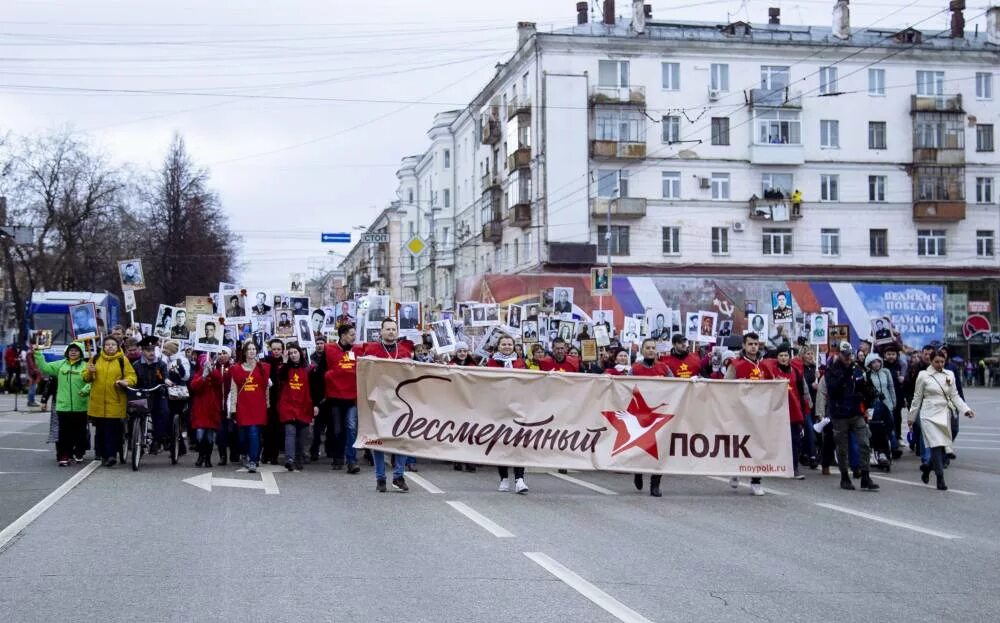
[(624, 368), (506, 360)]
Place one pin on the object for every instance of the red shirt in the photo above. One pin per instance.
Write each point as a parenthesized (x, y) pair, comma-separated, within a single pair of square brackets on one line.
[(549, 364), (613, 372), (517, 364), (794, 400), (748, 370), (403, 350), (658, 368), (341, 378), (206, 399), (682, 368), (294, 401), (251, 394)]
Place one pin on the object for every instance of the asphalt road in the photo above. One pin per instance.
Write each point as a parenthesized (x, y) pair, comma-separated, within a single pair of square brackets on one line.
[(123, 546)]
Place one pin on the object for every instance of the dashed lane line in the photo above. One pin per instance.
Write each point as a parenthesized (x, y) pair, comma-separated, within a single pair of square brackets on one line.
[(767, 488), (921, 485), (889, 522), (423, 483), (582, 483), (484, 522)]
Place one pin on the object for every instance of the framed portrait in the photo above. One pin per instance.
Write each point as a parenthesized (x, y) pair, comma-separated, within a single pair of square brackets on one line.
[(563, 302), (284, 323), (532, 311), (304, 332), (234, 307), (42, 338), (281, 301), (819, 329), (707, 326), (260, 302), (492, 314), (378, 308), (781, 307), (546, 299), (297, 283), (408, 315), (478, 313), (130, 274), (373, 334), (659, 323), (208, 334), (600, 281), (882, 331), (529, 331), (128, 298), (567, 330), (443, 337), (601, 335), (757, 323), (839, 333), (833, 313), (749, 307), (317, 319), (83, 320), (588, 350), (514, 316), (631, 331), (604, 317), (725, 328), (299, 305), (164, 321), (344, 312), (691, 326)]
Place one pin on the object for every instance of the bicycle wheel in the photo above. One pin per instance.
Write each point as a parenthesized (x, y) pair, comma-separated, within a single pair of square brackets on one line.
[(136, 441), (175, 439), (126, 442)]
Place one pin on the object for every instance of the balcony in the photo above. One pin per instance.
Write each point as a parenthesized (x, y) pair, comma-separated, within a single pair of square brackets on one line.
[(776, 98), (491, 126), (944, 156), (520, 106), (490, 180), (775, 209), (624, 207), (938, 211), (777, 153), (618, 150), (493, 231), (618, 96), (936, 103), (519, 159), (520, 215)]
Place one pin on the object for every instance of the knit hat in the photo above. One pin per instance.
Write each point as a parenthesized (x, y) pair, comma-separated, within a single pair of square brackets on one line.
[(846, 348), (871, 358), (461, 346)]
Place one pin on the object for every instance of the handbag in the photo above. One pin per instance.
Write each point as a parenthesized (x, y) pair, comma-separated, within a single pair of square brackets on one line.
[(178, 392)]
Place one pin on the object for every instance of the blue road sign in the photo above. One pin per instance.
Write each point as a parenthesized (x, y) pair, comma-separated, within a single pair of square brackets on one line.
[(340, 237)]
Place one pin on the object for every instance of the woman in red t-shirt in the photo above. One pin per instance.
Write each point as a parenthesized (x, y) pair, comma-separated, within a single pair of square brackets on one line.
[(295, 406), (505, 357), (621, 366), (249, 392), (206, 406)]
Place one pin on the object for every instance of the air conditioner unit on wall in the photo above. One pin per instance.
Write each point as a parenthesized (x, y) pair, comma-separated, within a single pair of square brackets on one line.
[(738, 226), (713, 95)]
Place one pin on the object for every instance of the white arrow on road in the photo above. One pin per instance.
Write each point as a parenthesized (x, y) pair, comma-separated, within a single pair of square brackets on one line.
[(206, 481)]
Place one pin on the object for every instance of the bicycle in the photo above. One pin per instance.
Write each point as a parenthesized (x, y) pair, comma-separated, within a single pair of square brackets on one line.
[(139, 428)]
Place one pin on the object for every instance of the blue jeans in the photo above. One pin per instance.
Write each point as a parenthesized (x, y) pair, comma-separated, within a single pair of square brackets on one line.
[(32, 390), (398, 465), (344, 426), (250, 440), (205, 435), (295, 438)]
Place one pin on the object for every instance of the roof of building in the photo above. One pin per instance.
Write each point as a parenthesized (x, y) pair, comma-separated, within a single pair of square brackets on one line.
[(782, 34)]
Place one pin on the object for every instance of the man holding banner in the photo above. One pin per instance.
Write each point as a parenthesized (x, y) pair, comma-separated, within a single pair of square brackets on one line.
[(388, 347), (748, 367)]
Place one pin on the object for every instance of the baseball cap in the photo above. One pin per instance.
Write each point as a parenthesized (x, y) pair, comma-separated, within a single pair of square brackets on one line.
[(846, 348)]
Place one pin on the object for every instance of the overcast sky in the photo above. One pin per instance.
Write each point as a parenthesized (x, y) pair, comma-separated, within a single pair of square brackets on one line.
[(266, 93)]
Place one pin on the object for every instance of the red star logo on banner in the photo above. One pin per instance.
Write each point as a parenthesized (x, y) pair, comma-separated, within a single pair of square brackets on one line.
[(637, 426)]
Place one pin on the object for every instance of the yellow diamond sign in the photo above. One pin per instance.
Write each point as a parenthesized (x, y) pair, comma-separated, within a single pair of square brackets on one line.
[(415, 246)]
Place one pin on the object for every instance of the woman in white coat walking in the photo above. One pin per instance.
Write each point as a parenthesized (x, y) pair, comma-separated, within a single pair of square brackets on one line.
[(935, 398)]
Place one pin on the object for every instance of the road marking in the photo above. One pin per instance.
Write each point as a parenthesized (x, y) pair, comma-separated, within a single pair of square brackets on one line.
[(21, 432), (582, 483), (921, 485), (889, 522), (270, 482), (35, 511), (965, 434), (27, 449), (206, 481), (767, 488), (38, 421), (423, 483), (956, 447), (606, 602), (484, 522)]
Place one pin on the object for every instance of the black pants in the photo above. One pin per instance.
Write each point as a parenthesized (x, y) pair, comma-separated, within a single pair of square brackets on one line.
[(108, 436), (228, 439), (323, 423), (937, 461), (274, 437), (505, 473), (336, 435), (72, 440)]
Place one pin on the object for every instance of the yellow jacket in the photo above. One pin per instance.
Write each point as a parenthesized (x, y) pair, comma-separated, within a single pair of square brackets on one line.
[(106, 398)]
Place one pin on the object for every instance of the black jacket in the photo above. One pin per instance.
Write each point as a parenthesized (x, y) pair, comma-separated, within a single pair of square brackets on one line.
[(847, 389)]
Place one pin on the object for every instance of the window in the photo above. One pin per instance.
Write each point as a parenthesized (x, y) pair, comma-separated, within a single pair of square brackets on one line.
[(876, 82), (612, 183), (827, 80), (930, 83), (777, 241), (720, 130), (671, 184), (671, 129), (829, 133), (829, 188), (778, 127), (720, 77), (984, 190), (939, 184), (830, 242), (720, 241), (984, 137), (671, 240), (984, 86), (625, 126), (876, 187), (984, 243), (617, 242), (446, 193), (720, 186), (878, 242), (447, 158), (671, 76), (410, 195), (776, 182), (612, 73), (774, 77), (930, 242), (934, 131), (876, 135)]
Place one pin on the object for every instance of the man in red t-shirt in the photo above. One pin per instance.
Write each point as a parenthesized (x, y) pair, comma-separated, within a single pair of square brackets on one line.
[(388, 347), (681, 362), (748, 367), (559, 361), (337, 371), (649, 366)]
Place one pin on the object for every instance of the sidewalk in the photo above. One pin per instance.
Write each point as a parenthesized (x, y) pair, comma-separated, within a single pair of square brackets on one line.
[(7, 405)]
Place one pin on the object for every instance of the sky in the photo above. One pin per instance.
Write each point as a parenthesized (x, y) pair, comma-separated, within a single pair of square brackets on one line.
[(300, 109)]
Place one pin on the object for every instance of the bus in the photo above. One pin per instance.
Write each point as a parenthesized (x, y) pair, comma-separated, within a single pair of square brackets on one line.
[(50, 310)]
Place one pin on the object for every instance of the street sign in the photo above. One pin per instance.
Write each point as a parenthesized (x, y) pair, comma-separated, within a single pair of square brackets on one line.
[(335, 238), (416, 246), (375, 238)]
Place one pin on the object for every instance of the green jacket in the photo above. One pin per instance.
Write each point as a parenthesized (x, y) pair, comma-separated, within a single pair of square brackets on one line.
[(73, 393)]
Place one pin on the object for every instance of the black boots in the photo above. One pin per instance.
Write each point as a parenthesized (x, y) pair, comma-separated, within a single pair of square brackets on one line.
[(637, 480), (845, 481), (867, 484), (925, 473), (940, 483), (654, 486)]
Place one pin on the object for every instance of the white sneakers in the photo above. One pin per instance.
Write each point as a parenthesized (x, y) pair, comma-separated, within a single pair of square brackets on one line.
[(504, 485), (755, 487), (519, 486)]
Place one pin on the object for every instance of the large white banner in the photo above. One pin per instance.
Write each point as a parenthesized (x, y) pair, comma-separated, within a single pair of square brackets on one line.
[(574, 421)]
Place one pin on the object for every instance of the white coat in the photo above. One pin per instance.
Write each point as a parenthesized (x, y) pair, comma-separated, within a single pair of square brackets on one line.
[(934, 398)]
